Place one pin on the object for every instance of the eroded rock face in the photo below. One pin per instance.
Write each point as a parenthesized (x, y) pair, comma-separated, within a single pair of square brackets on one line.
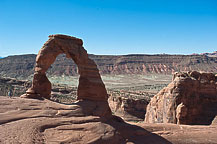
[(191, 98), (90, 85), (21, 66), (128, 108)]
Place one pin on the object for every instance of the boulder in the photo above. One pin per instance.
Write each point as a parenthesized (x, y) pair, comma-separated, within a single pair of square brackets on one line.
[(191, 98)]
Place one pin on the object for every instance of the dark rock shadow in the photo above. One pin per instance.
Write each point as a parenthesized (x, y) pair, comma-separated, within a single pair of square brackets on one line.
[(126, 132), (115, 130)]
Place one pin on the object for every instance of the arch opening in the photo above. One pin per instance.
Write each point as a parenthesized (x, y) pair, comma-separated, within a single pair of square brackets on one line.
[(64, 77), (90, 87)]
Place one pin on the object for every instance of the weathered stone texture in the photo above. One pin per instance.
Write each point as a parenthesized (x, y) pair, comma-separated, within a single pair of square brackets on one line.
[(128, 108), (90, 85), (191, 98)]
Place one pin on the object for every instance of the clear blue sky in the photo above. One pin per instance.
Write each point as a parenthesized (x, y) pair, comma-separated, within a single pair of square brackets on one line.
[(111, 26)]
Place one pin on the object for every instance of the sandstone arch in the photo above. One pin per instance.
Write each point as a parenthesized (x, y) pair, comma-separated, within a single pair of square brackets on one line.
[(90, 86)]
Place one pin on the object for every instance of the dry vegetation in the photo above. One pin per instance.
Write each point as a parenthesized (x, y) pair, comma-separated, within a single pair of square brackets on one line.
[(130, 86)]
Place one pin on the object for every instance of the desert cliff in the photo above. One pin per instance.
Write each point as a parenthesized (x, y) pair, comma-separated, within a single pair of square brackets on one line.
[(23, 65)]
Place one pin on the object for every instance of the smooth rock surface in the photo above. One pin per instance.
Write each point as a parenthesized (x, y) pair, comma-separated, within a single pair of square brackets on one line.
[(30, 121), (183, 134)]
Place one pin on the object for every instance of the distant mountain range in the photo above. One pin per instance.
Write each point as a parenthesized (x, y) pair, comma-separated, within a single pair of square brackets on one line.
[(23, 65), (214, 54)]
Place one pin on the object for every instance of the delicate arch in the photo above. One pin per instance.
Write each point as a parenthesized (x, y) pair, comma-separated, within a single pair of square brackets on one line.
[(90, 85)]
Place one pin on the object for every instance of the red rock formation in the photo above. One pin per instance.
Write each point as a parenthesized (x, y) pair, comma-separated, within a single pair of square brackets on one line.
[(32, 121), (128, 108), (90, 85), (191, 98), (21, 66)]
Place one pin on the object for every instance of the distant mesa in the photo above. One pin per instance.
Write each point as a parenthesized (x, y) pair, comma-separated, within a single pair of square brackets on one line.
[(191, 98), (23, 65)]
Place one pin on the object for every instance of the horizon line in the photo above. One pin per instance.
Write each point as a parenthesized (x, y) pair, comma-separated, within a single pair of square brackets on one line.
[(121, 54)]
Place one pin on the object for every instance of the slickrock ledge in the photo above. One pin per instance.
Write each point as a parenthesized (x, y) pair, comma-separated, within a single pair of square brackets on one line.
[(191, 98), (30, 121)]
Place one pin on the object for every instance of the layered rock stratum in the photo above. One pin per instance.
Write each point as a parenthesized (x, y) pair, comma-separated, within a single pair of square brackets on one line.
[(90, 85), (23, 65), (33, 118), (191, 98)]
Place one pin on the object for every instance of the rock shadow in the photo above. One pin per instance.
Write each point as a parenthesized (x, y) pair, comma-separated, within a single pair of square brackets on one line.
[(129, 133)]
